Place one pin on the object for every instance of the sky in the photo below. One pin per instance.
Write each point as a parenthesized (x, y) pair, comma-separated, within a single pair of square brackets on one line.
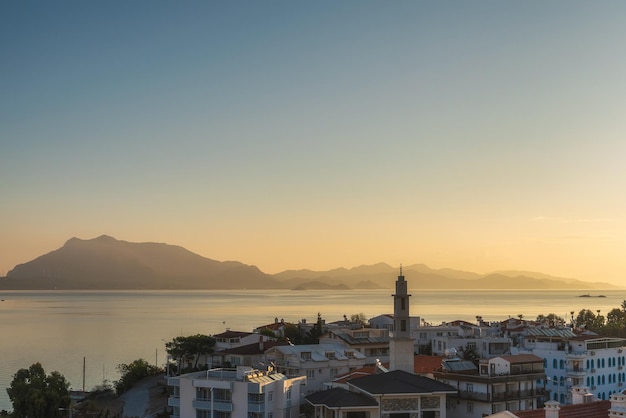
[(479, 136)]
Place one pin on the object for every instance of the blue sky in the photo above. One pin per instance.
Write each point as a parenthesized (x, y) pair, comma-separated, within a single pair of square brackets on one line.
[(475, 135)]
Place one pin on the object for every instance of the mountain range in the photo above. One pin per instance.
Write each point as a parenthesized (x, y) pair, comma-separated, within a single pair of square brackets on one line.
[(110, 264)]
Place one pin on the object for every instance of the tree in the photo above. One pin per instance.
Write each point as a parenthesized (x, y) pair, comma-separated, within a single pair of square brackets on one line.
[(314, 334), (191, 347), (132, 373), (37, 395), (586, 318), (615, 323), (359, 319), (552, 319), (292, 333)]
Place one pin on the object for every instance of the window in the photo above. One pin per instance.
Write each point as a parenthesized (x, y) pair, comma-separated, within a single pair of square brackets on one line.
[(470, 388), (403, 325), (310, 374), (402, 304), (256, 397), (270, 396), (330, 355), (305, 355), (222, 395), (470, 407), (203, 394), (334, 372), (288, 393)]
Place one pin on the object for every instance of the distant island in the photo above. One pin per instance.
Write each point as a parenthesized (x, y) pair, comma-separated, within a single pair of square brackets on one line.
[(587, 295), (105, 263)]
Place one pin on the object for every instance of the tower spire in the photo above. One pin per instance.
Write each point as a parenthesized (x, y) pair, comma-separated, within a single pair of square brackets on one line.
[(401, 344)]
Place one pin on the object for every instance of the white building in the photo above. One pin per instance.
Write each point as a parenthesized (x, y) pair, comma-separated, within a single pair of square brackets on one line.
[(320, 363), (483, 339), (232, 339), (594, 363), (371, 342), (236, 393)]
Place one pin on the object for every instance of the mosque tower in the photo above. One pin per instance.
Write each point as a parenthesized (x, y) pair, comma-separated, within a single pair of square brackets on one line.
[(401, 348)]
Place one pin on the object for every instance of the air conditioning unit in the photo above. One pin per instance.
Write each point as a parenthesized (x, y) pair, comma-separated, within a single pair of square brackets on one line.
[(592, 353)]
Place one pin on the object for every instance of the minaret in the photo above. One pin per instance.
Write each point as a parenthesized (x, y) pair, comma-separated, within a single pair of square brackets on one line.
[(401, 344)]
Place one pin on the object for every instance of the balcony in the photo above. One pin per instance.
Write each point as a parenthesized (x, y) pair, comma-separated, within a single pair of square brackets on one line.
[(575, 371), (173, 401), (473, 396), (202, 404), (503, 396), (499, 396), (256, 407), (218, 405)]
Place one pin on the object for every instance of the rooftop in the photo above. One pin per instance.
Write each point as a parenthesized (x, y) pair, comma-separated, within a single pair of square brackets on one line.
[(398, 382)]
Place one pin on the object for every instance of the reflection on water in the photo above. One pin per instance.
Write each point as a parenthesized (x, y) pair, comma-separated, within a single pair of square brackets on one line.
[(59, 328)]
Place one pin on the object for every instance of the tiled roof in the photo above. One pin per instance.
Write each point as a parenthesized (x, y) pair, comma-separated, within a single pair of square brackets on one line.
[(366, 370), (421, 364), (273, 326), (399, 381), (340, 398), (426, 364), (598, 409)]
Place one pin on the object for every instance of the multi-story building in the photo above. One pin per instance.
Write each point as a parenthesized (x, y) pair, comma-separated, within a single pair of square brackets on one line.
[(571, 361), (484, 340), (510, 383), (392, 394), (320, 363), (232, 339), (236, 393), (252, 355), (371, 342)]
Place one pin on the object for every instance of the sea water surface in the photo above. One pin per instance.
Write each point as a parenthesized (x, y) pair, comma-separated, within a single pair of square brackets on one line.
[(105, 328)]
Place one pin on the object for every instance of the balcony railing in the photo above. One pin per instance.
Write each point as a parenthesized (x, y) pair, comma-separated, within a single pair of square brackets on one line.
[(256, 407), (575, 371), (218, 405), (500, 396)]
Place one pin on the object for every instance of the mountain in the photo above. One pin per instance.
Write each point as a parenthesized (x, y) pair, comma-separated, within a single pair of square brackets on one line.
[(423, 277), (107, 263)]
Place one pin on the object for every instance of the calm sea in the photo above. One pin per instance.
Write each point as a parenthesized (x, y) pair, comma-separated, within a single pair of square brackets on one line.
[(107, 328)]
